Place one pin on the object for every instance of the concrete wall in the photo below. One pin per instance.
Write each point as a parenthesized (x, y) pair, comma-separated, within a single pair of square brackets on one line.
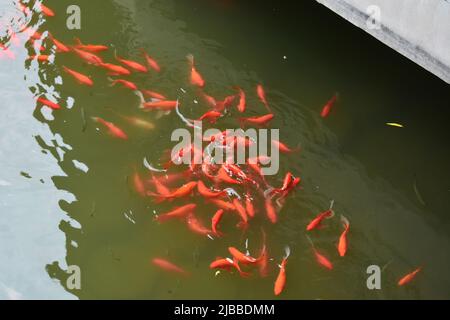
[(418, 29)]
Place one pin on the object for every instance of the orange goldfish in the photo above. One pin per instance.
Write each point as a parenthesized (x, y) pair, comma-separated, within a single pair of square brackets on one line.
[(315, 223), (168, 266), (215, 221), (89, 47), (262, 96), (133, 65), (79, 77), (196, 78), (342, 245), (261, 120), (280, 282), (153, 94), (115, 70), (409, 277), (125, 83), (328, 106), (49, 103), (112, 128), (151, 62), (177, 213), (88, 57)]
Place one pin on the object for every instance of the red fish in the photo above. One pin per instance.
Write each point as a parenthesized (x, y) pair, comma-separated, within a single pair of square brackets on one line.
[(46, 10), (261, 120), (115, 70), (342, 245), (249, 206), (169, 266), (41, 58), (223, 176), (160, 187), (280, 282), (182, 191), (215, 221), (409, 277), (60, 47), (212, 116), (151, 62), (240, 210), (89, 47), (270, 210), (282, 147), (160, 105), (88, 57), (153, 94), (138, 184), (242, 103), (221, 105), (264, 258), (79, 77), (177, 213), (196, 77), (49, 103), (241, 257), (207, 193), (227, 264), (328, 106), (127, 84), (196, 226), (315, 223), (133, 65), (262, 96), (112, 128)]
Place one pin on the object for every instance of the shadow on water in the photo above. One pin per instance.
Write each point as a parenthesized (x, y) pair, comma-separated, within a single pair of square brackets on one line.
[(352, 157)]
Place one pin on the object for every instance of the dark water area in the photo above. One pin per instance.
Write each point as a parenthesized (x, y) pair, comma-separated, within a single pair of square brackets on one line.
[(78, 206)]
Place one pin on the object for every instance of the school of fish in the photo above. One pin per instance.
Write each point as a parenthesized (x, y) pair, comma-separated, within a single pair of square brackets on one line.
[(238, 193)]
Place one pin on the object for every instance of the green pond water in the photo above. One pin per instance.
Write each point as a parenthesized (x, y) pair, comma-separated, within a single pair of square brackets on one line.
[(65, 192)]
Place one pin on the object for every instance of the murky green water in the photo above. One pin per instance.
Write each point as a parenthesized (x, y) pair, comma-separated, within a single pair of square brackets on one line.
[(302, 54)]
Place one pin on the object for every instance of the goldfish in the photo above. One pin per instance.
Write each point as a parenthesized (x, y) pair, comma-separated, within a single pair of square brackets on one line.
[(160, 187), (409, 277), (88, 57), (60, 47), (46, 11), (41, 58), (153, 94), (210, 100), (89, 47), (328, 106), (133, 65), (215, 221), (125, 83), (242, 103), (262, 96), (212, 116), (115, 70), (225, 103), (151, 62), (207, 193), (264, 258), (270, 211), (240, 210), (112, 128), (261, 120), (48, 103), (177, 213), (227, 264), (249, 206), (79, 77), (196, 78), (342, 244), (280, 282), (320, 258), (168, 266), (222, 204), (223, 176), (138, 184), (160, 105), (241, 257), (282, 147), (182, 191), (315, 223), (196, 226)]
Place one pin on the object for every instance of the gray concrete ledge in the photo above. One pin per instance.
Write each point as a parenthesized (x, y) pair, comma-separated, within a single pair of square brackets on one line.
[(418, 29)]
